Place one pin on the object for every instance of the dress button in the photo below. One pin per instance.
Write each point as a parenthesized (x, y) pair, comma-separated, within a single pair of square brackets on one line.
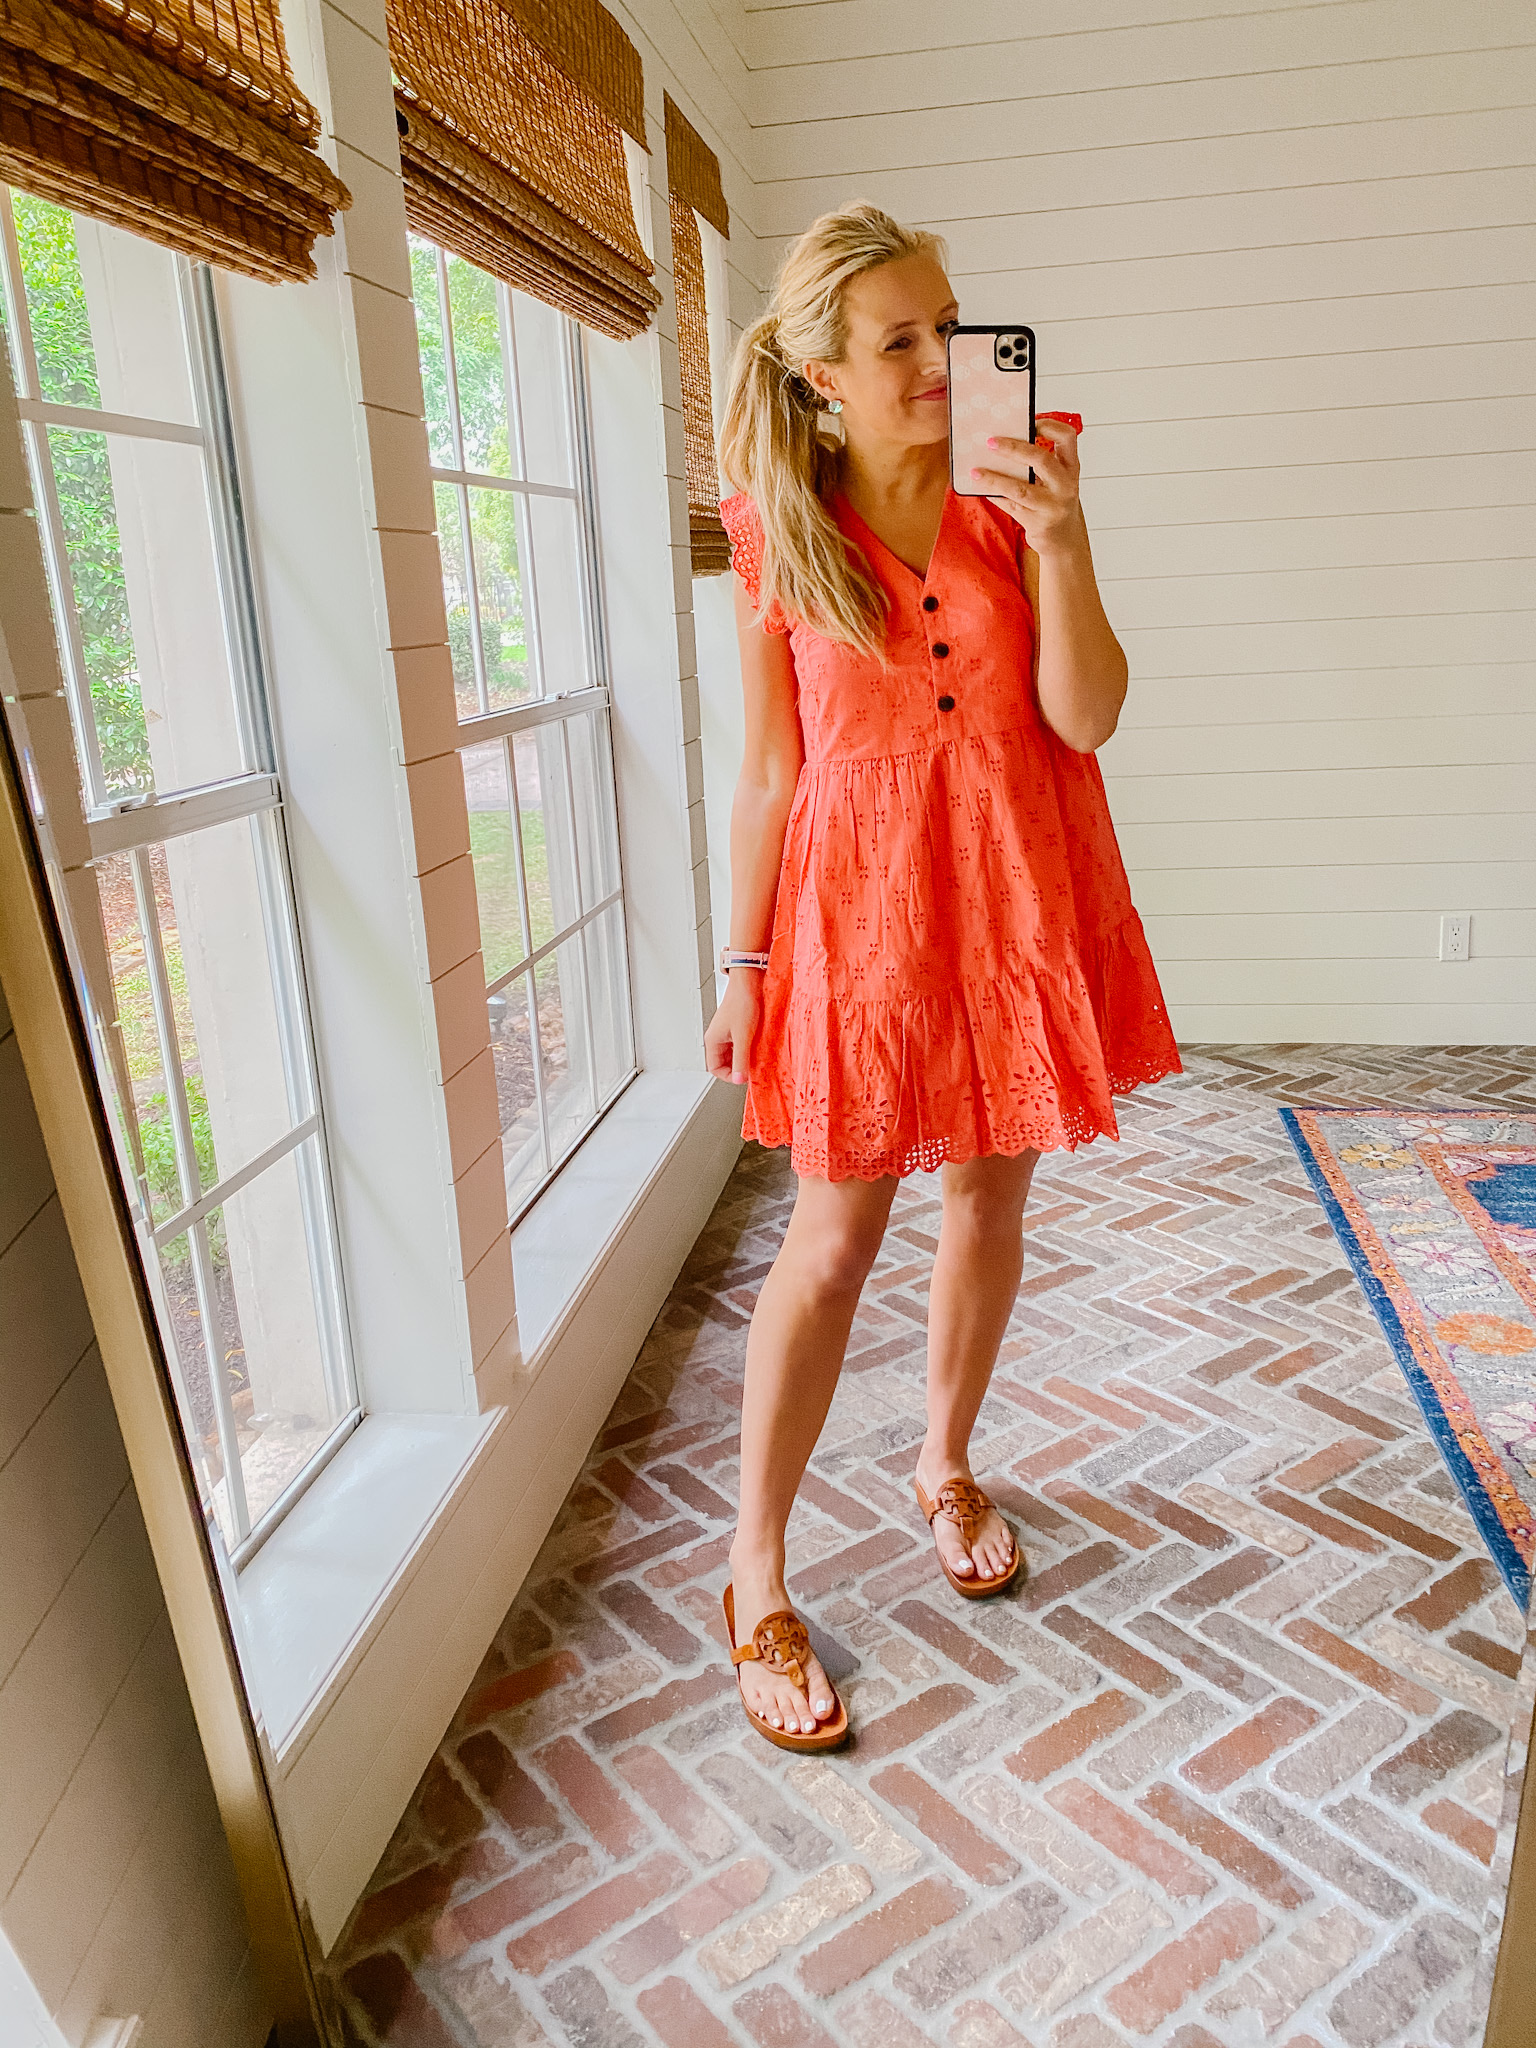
[(930, 604), (940, 649), (946, 703)]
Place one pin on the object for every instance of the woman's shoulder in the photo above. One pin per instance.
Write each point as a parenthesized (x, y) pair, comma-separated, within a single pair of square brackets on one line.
[(744, 529), (738, 511)]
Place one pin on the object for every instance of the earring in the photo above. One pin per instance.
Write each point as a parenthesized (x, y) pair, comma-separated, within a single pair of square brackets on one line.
[(834, 405)]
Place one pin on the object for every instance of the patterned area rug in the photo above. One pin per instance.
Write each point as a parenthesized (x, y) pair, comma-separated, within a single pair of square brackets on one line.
[(1437, 1215)]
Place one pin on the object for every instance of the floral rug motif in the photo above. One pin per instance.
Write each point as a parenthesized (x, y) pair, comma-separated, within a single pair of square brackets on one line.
[(1436, 1212)]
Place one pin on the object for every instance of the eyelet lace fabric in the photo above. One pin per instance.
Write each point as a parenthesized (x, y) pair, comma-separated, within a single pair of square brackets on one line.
[(956, 967), (745, 531)]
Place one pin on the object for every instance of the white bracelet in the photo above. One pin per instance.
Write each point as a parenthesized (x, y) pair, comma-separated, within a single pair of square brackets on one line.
[(730, 958)]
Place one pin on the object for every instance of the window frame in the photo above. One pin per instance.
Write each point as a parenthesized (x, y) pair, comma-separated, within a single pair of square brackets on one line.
[(506, 724), (132, 824)]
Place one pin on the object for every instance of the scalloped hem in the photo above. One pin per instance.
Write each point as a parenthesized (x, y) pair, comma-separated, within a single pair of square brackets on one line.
[(883, 1090), (929, 1154)]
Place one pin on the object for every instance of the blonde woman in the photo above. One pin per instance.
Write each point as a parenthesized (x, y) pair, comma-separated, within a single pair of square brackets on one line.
[(934, 961)]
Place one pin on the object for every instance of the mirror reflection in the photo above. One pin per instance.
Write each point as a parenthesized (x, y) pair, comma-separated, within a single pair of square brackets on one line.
[(780, 766)]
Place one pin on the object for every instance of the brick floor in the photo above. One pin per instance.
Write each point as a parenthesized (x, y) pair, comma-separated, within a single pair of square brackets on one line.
[(1231, 1769)]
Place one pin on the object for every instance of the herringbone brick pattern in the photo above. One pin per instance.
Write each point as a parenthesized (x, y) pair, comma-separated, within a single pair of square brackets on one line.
[(1231, 1769)]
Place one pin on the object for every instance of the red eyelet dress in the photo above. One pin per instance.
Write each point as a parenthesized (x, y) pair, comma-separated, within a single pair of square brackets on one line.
[(956, 966)]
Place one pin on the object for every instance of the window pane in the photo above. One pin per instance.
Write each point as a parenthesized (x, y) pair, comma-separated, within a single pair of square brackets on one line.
[(532, 755), (281, 1358), (88, 514), (495, 517), (608, 986), (559, 574), (543, 383), (212, 983), (596, 820), (149, 1132), (563, 1047), (104, 311), (271, 1387), (473, 306), (429, 339), (456, 596), (559, 827), (145, 586), (208, 1423), (61, 327), (494, 850), (522, 1142)]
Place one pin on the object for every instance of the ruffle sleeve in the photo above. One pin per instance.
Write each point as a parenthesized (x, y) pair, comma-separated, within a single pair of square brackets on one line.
[(744, 528)]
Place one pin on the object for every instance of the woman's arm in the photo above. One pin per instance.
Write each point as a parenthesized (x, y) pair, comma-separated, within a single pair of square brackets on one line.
[(765, 790), (1080, 667)]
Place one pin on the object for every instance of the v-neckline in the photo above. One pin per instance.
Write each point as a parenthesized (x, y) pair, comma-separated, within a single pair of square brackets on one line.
[(900, 560)]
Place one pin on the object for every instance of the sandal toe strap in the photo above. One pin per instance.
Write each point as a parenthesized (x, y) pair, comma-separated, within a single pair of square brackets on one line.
[(779, 1641), (961, 1501)]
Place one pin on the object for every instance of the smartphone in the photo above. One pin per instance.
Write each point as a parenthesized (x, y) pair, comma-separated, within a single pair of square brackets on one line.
[(991, 391)]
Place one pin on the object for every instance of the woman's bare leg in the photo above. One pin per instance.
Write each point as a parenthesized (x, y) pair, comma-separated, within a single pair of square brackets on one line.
[(976, 1273), (795, 1352)]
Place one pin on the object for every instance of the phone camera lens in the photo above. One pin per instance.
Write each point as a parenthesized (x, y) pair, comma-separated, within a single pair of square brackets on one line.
[(1005, 351)]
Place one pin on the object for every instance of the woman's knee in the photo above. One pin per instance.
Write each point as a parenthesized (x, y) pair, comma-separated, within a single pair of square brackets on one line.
[(833, 1243), (837, 1262), (988, 1209)]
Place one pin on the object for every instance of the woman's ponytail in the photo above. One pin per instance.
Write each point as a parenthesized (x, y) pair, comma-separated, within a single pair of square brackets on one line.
[(771, 445)]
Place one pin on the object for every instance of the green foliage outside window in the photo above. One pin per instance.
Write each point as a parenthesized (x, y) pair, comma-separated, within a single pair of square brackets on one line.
[(158, 1141), (66, 362), (141, 1045), (477, 355)]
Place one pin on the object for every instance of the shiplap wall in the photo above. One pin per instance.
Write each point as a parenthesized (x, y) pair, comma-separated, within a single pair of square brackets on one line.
[(117, 1895), (1278, 257)]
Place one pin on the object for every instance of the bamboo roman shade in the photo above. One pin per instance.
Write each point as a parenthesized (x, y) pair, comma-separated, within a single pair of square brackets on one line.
[(693, 186), (512, 116), (178, 119)]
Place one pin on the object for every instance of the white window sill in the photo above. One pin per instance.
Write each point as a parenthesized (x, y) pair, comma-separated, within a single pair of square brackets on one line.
[(559, 1247), (307, 1595), (324, 1583)]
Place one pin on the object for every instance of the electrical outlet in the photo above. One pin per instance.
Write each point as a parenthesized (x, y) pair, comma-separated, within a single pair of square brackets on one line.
[(1456, 936)]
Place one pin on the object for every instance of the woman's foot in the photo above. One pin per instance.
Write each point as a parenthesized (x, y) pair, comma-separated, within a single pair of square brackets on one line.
[(760, 1591), (989, 1553)]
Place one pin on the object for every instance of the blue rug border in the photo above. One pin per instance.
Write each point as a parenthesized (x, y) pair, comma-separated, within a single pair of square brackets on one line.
[(1511, 1565)]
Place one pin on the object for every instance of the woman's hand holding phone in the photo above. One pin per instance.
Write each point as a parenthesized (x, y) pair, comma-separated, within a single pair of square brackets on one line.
[(1049, 508)]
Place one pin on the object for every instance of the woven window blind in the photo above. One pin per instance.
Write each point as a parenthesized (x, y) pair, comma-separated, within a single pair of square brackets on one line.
[(512, 120), (693, 188), (178, 119)]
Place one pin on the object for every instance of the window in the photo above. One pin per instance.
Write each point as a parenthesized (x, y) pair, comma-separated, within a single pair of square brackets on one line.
[(503, 375), (193, 982)]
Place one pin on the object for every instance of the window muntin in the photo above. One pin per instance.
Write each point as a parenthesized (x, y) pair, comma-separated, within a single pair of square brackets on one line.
[(199, 1024), (502, 377)]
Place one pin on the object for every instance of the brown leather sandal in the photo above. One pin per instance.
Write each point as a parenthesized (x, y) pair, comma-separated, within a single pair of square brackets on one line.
[(963, 1502), (780, 1642)]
